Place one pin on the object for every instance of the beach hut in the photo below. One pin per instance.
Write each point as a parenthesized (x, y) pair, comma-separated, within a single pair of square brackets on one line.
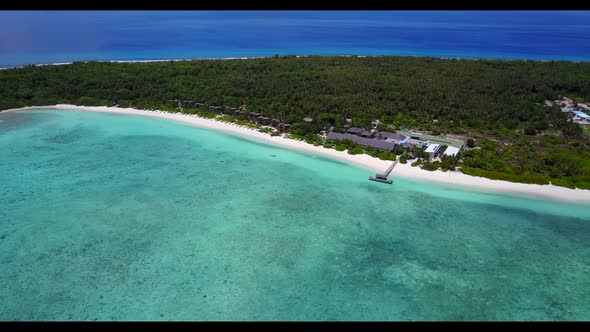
[(216, 109), (283, 127)]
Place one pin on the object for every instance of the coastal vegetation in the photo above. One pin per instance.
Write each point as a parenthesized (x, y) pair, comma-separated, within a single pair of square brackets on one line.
[(499, 104)]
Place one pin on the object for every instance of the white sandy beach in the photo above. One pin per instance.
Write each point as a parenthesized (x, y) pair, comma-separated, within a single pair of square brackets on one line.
[(365, 161)]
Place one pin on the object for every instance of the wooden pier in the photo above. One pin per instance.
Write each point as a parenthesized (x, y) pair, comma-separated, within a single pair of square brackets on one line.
[(390, 168), (383, 176)]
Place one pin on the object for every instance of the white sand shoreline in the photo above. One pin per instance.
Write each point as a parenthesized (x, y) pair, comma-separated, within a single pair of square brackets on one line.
[(303, 55), (373, 164)]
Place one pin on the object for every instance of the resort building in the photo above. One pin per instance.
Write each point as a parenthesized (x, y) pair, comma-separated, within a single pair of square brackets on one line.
[(581, 116), (451, 151), (366, 133), (392, 137), (567, 109), (414, 141), (354, 131), (362, 141), (433, 150), (566, 102)]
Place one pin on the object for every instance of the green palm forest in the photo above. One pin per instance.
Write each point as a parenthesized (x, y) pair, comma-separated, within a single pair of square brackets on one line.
[(498, 103)]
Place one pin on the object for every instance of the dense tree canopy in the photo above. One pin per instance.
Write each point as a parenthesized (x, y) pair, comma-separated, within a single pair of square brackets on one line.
[(496, 99)]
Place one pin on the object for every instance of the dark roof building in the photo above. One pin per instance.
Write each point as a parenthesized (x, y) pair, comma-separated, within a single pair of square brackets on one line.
[(263, 120), (354, 131), (366, 133), (362, 141), (283, 127), (394, 136), (411, 142)]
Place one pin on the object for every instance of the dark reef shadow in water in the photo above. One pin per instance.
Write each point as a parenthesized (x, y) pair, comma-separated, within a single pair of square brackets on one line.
[(10, 121)]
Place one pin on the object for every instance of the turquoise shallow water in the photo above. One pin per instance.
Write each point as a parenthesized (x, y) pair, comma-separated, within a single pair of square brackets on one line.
[(110, 217)]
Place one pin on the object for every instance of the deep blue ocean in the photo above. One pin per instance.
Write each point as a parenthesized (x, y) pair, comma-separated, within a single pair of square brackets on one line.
[(50, 37)]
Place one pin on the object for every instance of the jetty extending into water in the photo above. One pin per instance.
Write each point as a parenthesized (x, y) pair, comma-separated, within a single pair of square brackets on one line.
[(383, 176)]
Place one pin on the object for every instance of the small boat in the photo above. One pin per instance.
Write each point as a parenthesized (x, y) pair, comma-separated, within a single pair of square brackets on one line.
[(380, 178)]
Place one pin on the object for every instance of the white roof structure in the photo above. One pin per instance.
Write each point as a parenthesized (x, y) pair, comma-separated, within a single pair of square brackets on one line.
[(432, 148), (451, 151), (581, 114)]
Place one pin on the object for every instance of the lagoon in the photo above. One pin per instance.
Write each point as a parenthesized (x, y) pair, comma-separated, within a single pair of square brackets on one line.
[(114, 217)]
